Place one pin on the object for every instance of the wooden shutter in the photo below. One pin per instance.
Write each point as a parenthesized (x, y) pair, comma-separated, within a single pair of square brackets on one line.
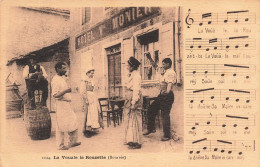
[(166, 42), (86, 15), (86, 61), (167, 48), (127, 51)]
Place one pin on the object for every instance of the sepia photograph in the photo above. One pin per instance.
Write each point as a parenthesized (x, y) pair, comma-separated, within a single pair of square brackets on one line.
[(94, 80), (129, 83)]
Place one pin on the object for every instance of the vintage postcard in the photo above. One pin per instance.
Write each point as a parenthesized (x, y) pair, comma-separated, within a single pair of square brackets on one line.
[(129, 83)]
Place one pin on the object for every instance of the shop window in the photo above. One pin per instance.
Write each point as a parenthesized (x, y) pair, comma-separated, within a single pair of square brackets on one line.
[(85, 15), (149, 43)]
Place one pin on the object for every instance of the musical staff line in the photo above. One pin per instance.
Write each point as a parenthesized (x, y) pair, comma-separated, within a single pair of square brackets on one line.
[(193, 95), (222, 146), (230, 43), (219, 120), (220, 70), (229, 17)]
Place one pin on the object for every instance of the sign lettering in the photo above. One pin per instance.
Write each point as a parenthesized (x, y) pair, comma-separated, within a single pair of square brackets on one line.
[(123, 19)]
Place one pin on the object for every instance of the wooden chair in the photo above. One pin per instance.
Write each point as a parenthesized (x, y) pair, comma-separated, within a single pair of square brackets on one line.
[(147, 101), (105, 108), (119, 110)]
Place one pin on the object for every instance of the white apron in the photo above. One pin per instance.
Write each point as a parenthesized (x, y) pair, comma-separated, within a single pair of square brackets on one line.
[(92, 117), (66, 118)]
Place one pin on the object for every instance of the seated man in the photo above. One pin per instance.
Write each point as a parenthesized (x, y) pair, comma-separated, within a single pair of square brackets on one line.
[(36, 79)]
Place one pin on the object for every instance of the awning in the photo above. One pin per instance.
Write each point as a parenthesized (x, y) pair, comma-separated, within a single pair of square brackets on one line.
[(62, 45)]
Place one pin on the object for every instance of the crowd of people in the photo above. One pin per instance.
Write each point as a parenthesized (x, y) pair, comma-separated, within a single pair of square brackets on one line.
[(67, 124)]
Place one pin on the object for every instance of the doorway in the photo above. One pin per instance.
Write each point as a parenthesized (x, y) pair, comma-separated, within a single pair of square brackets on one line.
[(114, 71)]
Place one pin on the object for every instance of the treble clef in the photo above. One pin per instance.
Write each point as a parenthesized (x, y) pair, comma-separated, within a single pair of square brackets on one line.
[(189, 20)]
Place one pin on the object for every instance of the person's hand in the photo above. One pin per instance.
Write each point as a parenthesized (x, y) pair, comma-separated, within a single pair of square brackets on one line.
[(148, 55)]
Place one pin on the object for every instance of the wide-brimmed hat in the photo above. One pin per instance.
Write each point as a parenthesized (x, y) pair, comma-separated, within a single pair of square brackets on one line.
[(88, 69), (32, 56), (133, 62)]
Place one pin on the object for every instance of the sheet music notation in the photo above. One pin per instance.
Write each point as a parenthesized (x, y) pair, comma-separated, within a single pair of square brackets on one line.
[(222, 70), (226, 95), (229, 17), (220, 146), (212, 44), (195, 121)]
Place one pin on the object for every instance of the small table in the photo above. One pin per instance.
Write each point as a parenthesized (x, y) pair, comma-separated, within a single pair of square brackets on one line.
[(120, 103)]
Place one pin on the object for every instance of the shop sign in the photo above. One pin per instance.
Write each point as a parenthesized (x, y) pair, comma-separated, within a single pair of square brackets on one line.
[(115, 24)]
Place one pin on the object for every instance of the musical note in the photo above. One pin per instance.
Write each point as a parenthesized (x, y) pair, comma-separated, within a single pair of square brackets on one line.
[(222, 70), (200, 120), (236, 16), (197, 147), (206, 120), (231, 43), (236, 66), (195, 40), (220, 95), (189, 20), (223, 146), (220, 146), (239, 91), (229, 17), (203, 90), (236, 43), (206, 15), (236, 121)]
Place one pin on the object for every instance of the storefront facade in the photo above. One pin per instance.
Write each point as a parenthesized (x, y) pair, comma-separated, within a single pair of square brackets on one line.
[(111, 35)]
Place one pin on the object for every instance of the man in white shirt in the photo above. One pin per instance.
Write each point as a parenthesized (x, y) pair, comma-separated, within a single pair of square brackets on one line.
[(164, 100), (65, 116), (36, 79)]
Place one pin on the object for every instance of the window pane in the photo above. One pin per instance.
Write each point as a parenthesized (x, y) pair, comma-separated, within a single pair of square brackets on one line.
[(86, 15), (149, 43), (148, 72)]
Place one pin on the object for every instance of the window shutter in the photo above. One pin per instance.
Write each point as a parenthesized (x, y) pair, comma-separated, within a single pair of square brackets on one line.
[(86, 61), (167, 48), (88, 14), (85, 15), (166, 43), (127, 51)]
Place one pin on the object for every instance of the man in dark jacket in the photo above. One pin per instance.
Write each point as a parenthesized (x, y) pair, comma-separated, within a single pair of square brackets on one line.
[(36, 79)]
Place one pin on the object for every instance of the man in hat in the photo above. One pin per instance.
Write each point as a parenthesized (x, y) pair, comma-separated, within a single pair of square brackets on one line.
[(164, 100), (36, 79), (66, 118)]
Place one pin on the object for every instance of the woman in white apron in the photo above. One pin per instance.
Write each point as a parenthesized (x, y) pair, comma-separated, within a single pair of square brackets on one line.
[(90, 105), (133, 106)]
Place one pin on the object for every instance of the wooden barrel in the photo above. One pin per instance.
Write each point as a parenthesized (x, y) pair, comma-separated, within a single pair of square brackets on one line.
[(38, 123), (14, 102)]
